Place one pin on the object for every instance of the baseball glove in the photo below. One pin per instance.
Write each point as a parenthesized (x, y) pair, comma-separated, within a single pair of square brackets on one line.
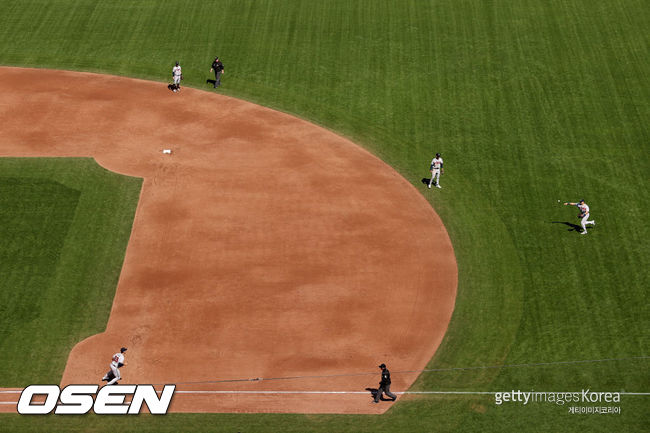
[(581, 215)]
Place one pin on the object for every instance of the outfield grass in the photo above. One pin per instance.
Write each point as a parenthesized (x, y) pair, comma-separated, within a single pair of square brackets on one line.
[(529, 102)]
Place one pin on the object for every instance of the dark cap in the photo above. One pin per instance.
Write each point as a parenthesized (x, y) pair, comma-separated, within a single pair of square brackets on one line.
[(582, 200), (382, 365), (122, 350), (438, 155), (176, 63)]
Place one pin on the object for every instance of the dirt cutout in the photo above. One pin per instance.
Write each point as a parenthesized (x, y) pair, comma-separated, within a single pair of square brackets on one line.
[(263, 247)]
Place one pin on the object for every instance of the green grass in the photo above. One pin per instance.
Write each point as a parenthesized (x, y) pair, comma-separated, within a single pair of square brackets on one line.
[(64, 225), (431, 415), (529, 102)]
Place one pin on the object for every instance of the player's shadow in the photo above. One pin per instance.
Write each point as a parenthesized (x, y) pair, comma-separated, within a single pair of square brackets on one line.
[(573, 227), (372, 391), (212, 82), (170, 87), (426, 182)]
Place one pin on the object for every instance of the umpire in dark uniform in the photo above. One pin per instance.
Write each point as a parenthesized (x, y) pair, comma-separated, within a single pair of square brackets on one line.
[(218, 69), (384, 385)]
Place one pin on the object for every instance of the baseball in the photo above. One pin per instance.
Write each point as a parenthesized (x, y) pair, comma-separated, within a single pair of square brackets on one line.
[(558, 201)]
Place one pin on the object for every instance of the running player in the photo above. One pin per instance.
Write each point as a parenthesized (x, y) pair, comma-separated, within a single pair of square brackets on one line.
[(114, 374)]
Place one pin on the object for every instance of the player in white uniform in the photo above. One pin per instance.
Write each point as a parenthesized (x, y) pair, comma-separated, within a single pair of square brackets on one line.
[(584, 214), (177, 76), (116, 362), (436, 170)]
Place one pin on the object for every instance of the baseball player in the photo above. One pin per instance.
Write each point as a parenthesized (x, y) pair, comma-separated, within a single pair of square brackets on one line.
[(384, 385), (584, 215), (177, 76), (436, 170), (116, 363)]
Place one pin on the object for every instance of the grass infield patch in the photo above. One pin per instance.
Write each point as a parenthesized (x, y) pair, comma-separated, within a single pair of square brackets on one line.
[(64, 226)]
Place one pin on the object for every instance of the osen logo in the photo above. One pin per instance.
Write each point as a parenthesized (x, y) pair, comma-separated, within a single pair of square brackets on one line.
[(110, 400)]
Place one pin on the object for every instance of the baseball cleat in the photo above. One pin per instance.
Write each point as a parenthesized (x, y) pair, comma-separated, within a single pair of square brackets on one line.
[(438, 186), (584, 232), (429, 186)]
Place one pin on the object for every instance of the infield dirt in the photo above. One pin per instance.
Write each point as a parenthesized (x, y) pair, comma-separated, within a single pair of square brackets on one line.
[(263, 246)]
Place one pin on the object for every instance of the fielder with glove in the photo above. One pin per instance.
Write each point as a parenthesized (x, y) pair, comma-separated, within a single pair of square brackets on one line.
[(436, 170), (177, 76), (583, 216)]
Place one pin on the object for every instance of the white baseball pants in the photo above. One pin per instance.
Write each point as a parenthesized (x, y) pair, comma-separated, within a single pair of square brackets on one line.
[(585, 221), (116, 373), (435, 174)]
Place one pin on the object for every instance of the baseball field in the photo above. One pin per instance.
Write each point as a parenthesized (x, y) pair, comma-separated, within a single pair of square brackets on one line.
[(530, 104)]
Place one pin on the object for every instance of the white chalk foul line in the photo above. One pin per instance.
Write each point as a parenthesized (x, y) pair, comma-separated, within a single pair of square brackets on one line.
[(365, 392)]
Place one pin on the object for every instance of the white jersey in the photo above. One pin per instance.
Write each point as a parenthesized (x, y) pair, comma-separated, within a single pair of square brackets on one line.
[(118, 359), (436, 163), (176, 71), (583, 208)]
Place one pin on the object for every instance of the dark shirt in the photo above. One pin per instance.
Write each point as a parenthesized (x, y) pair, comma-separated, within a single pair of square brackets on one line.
[(385, 377), (217, 66)]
